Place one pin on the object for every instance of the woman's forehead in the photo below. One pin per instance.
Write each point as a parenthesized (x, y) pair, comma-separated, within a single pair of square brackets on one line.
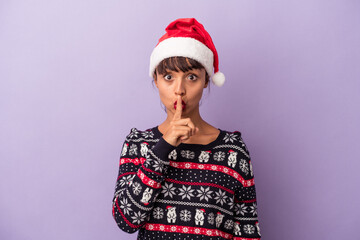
[(191, 70)]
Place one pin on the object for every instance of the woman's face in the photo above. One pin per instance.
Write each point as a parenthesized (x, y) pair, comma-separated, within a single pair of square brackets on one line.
[(188, 84)]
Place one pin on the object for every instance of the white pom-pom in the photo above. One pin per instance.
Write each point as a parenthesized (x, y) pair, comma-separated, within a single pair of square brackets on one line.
[(218, 79)]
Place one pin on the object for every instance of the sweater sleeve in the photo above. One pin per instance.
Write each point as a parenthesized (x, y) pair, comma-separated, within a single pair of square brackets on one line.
[(246, 224), (141, 172)]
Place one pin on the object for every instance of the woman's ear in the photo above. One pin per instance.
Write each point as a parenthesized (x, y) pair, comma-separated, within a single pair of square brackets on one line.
[(155, 79), (206, 82)]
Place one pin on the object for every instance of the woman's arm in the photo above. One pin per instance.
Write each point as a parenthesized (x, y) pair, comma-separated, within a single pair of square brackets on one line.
[(141, 172), (246, 224)]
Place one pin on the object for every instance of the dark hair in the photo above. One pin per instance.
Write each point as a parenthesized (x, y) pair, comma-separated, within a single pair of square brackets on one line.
[(177, 63)]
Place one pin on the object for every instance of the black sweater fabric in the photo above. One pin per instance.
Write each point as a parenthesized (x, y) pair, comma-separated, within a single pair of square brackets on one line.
[(192, 191)]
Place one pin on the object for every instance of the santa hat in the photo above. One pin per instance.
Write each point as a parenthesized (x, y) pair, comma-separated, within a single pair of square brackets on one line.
[(187, 37)]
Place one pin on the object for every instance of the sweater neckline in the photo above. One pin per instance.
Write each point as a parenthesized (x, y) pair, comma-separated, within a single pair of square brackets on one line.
[(192, 145)]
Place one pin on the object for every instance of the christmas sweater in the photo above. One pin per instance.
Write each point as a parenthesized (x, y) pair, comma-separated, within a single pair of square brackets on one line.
[(192, 191)]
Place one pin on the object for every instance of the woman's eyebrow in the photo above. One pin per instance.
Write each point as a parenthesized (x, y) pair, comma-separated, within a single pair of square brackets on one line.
[(194, 72)]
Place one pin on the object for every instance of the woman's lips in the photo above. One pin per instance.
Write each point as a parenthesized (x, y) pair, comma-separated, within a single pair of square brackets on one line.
[(183, 104)]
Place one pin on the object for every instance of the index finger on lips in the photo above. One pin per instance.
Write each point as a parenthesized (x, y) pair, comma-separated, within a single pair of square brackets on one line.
[(178, 111)]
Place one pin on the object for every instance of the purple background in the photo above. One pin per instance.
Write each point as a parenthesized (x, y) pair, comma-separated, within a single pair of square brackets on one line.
[(74, 81)]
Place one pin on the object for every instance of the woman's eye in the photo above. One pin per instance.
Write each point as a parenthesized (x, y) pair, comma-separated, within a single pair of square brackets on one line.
[(192, 77), (167, 77)]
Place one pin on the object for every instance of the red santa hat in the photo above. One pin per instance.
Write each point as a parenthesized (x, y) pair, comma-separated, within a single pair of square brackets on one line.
[(187, 37)]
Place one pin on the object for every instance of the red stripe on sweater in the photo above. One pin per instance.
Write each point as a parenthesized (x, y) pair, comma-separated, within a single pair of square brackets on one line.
[(199, 184), (149, 170), (213, 167), (240, 238), (187, 230), (190, 165), (245, 201), (124, 174), (148, 181), (135, 161)]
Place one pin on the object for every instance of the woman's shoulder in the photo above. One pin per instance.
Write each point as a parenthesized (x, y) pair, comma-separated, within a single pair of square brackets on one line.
[(231, 135), (137, 134), (234, 138)]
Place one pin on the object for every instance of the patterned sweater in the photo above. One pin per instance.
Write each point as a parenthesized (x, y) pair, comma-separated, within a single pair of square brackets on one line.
[(192, 191)]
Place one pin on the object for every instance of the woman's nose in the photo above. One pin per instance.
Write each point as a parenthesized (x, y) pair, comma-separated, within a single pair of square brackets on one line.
[(179, 86)]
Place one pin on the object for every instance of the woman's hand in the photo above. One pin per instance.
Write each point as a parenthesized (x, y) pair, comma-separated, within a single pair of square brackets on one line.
[(180, 128)]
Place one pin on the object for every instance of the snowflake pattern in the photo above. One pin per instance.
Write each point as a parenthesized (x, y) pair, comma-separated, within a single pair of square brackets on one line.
[(126, 180), (136, 188), (230, 137), (240, 209), (125, 206), (249, 229), (168, 189), (158, 165), (134, 133), (229, 224), (185, 215), (204, 193), (158, 213), (231, 203), (133, 149), (253, 209), (211, 218), (138, 217), (219, 156), (187, 154), (147, 134), (244, 166), (220, 197), (186, 192)]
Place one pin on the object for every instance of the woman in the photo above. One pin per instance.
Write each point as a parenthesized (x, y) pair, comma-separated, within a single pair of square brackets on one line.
[(185, 179)]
